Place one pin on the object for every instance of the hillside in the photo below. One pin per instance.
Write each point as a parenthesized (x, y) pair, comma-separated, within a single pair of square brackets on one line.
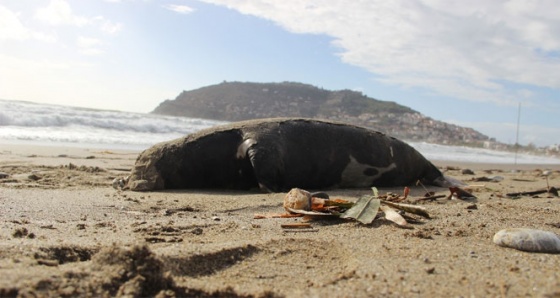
[(234, 101)]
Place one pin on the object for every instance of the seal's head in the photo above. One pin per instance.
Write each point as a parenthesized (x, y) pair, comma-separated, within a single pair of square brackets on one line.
[(144, 175)]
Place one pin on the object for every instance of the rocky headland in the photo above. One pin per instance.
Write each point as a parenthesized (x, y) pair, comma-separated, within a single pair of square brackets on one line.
[(236, 101)]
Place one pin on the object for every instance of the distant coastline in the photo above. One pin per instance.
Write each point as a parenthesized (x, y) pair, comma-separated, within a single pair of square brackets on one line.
[(234, 101)]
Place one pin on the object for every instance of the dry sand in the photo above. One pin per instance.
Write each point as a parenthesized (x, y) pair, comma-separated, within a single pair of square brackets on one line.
[(67, 232)]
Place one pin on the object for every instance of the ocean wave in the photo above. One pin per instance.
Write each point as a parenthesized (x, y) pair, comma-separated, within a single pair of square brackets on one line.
[(52, 124), (478, 155), (33, 115)]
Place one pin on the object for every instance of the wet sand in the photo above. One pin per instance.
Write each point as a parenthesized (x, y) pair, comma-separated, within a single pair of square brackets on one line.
[(67, 232)]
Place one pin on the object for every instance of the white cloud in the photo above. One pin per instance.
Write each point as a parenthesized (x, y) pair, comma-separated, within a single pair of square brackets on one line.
[(59, 12), (111, 28), (108, 26), (183, 9), (89, 46), (92, 51), (453, 48), (86, 42), (11, 28)]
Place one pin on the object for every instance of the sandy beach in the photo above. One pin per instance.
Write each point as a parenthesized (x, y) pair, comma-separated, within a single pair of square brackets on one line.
[(67, 232)]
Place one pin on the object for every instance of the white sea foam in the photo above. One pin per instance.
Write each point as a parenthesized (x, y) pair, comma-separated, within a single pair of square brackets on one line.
[(23, 121), (57, 125), (478, 155)]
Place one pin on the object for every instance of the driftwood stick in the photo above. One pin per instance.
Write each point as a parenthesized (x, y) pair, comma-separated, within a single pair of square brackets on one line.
[(431, 198), (530, 193), (296, 226)]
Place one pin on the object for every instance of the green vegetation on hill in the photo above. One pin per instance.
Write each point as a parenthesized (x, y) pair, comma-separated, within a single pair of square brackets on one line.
[(240, 101)]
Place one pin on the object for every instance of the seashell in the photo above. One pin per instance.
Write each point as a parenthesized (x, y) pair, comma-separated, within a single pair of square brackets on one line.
[(528, 240), (496, 178), (297, 199), (461, 194), (119, 183)]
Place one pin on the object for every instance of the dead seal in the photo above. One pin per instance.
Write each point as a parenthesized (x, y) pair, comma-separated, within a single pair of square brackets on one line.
[(280, 154)]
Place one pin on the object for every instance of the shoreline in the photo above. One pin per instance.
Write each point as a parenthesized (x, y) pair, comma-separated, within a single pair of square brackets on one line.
[(67, 232), (54, 147)]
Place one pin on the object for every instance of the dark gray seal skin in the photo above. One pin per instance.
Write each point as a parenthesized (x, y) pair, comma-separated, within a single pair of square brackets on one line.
[(279, 154)]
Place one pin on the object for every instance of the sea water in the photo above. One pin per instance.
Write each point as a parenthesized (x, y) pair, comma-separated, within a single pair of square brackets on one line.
[(44, 124)]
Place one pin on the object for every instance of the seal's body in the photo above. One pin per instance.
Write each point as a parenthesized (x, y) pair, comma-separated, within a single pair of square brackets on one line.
[(280, 154)]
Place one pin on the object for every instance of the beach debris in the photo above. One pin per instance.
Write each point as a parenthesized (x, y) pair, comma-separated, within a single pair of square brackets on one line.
[(392, 215), (543, 173), (460, 194), (428, 193), (472, 207), (488, 179), (299, 202), (276, 215), (555, 224), (365, 209), (21, 233), (467, 172), (119, 183), (551, 191), (393, 197), (34, 177), (299, 225), (431, 196), (414, 209), (298, 199), (530, 240), (4, 175)]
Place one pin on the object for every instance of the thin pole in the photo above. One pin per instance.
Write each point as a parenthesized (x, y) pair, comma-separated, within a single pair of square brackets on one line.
[(517, 133)]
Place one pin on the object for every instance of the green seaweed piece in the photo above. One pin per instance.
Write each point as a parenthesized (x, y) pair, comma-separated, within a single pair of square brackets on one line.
[(364, 210)]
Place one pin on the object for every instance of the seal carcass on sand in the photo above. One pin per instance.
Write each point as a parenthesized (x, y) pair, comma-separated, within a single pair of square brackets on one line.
[(280, 154)]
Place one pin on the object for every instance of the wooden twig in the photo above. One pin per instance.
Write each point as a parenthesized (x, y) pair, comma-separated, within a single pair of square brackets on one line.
[(528, 193), (431, 198), (296, 226)]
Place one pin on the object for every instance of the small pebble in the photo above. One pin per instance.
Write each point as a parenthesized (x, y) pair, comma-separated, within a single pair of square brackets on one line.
[(33, 177), (529, 240), (467, 172), (197, 231), (496, 178), (472, 207)]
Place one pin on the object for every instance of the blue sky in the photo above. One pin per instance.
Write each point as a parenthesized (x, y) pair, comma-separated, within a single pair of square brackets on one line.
[(469, 63)]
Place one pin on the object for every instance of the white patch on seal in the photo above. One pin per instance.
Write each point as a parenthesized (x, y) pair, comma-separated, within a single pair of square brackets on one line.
[(353, 174), (391, 150), (243, 147)]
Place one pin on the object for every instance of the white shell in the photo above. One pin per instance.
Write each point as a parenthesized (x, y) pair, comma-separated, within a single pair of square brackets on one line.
[(298, 199), (528, 240)]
